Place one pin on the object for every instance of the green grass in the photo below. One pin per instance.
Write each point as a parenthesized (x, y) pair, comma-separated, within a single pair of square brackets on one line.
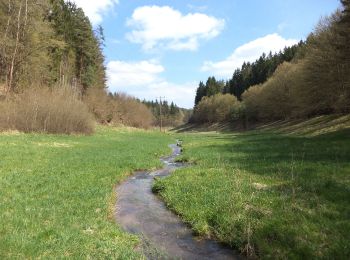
[(267, 194), (57, 197)]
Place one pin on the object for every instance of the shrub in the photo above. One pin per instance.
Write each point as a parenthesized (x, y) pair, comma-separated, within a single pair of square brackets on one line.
[(251, 99), (325, 87), (131, 112), (217, 108), (273, 100), (57, 111), (315, 85), (99, 104), (118, 109)]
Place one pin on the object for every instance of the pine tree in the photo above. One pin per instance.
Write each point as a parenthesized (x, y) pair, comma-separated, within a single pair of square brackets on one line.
[(201, 92)]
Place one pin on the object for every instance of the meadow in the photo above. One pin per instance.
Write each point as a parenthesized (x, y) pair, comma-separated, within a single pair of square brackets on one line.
[(268, 193), (282, 191), (57, 192)]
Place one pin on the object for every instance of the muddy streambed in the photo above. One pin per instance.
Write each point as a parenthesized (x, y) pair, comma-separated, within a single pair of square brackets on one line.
[(163, 233)]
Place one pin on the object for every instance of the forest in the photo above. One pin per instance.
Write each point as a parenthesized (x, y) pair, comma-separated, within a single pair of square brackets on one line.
[(305, 80), (53, 77), (171, 115), (49, 50)]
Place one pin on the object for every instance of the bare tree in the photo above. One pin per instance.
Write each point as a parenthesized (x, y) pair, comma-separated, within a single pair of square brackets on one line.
[(12, 66)]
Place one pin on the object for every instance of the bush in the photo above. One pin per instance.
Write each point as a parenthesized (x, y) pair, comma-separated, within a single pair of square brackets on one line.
[(99, 104), (273, 100), (217, 108), (56, 111), (118, 109), (316, 85), (325, 85), (251, 99), (131, 112)]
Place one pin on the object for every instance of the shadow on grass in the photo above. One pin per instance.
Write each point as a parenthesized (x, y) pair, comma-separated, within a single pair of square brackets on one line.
[(292, 189), (216, 127), (318, 165)]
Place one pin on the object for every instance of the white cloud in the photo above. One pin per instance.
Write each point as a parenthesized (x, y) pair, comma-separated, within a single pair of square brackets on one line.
[(121, 73), (95, 9), (247, 52), (164, 27), (181, 94), (142, 79), (198, 8)]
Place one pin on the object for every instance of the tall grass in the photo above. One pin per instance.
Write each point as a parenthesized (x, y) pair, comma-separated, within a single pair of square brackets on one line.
[(57, 111)]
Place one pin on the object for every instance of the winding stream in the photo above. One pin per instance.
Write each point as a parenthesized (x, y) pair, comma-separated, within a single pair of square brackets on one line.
[(163, 233)]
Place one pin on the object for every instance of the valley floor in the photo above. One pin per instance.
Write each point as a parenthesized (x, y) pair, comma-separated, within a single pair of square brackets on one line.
[(268, 193), (57, 192)]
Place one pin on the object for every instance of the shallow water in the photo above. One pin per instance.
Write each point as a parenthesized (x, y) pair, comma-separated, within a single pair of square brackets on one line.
[(163, 233)]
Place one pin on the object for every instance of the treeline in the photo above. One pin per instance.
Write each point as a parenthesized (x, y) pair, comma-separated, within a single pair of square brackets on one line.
[(117, 109), (171, 115), (306, 80), (259, 71), (46, 43), (249, 74), (52, 74)]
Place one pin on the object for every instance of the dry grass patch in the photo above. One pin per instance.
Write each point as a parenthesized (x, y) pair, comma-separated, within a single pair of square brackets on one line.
[(56, 111)]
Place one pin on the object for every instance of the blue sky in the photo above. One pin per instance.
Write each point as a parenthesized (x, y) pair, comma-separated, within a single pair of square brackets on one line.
[(164, 48)]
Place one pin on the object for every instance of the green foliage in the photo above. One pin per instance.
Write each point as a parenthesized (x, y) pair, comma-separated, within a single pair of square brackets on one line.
[(57, 193), (200, 93), (211, 88), (172, 115), (47, 43), (308, 79), (71, 24), (315, 85), (249, 74), (269, 195), (259, 71), (25, 42)]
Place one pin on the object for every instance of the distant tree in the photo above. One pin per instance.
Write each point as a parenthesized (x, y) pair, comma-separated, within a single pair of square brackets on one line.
[(258, 72), (172, 115), (201, 92), (317, 83), (213, 86), (216, 108), (173, 109)]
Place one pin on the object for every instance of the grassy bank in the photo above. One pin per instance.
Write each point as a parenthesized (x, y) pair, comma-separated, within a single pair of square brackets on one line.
[(269, 194), (56, 192)]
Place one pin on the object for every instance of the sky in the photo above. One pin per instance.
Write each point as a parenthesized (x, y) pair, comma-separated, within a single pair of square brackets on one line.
[(163, 48)]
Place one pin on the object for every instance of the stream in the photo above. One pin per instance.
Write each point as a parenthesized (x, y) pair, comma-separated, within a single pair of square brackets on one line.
[(163, 234)]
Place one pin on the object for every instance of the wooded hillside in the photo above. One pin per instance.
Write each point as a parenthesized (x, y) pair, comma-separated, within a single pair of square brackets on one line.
[(308, 79), (48, 42), (52, 73)]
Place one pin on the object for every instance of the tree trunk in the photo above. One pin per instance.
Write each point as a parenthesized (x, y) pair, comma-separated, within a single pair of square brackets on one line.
[(4, 60), (8, 20), (25, 18), (12, 67)]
